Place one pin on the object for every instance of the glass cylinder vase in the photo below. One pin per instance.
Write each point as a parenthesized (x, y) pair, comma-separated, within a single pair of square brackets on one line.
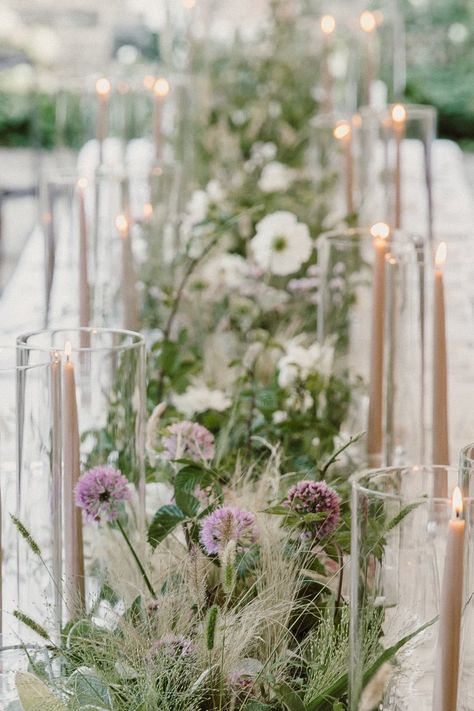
[(411, 581), (27, 496), (99, 418), (371, 308)]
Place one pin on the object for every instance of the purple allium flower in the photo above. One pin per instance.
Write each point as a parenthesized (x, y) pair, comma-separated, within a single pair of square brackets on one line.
[(99, 492), (188, 440), (225, 524), (315, 497), (173, 645), (240, 681)]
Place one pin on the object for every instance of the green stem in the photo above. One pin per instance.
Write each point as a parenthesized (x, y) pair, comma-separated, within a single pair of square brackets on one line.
[(137, 559)]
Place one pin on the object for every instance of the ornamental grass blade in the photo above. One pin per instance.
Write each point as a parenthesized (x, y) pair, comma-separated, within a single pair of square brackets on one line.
[(34, 695), (341, 685)]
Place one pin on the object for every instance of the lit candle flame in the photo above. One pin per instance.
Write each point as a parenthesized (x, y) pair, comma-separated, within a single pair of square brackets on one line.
[(328, 24), (342, 130), (399, 113), (149, 82), (380, 230), (68, 350), (121, 223), (457, 503), (441, 254), (189, 4), (103, 87), (161, 87), (367, 21), (82, 183)]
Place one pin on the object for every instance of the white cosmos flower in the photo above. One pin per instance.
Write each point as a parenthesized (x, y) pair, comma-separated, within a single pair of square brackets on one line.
[(276, 177), (225, 271), (299, 361), (199, 398), (281, 244)]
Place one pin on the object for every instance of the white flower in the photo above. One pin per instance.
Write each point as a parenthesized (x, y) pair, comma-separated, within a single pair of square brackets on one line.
[(225, 271), (215, 191), (199, 398), (279, 416), (275, 178), (197, 207), (282, 244), (300, 362)]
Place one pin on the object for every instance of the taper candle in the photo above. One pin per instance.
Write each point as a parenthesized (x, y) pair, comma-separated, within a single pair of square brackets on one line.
[(368, 25), (380, 232), (399, 118), (84, 288), (131, 319), (328, 27), (56, 485), (73, 544), (343, 133), (440, 449), (161, 90), (103, 88), (450, 612)]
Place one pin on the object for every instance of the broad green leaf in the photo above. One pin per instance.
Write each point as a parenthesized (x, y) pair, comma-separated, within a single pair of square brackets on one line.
[(165, 520), (288, 697), (89, 688), (34, 695)]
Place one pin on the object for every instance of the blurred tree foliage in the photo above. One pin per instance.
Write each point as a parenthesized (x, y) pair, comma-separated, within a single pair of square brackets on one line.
[(440, 59)]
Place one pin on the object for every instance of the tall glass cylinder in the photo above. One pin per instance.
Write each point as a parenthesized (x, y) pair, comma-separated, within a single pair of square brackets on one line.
[(101, 375), (411, 583), (371, 307), (27, 492), (400, 180), (336, 163)]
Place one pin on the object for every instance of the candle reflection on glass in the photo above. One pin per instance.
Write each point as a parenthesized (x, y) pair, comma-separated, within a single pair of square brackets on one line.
[(103, 88), (440, 366), (161, 89), (128, 276)]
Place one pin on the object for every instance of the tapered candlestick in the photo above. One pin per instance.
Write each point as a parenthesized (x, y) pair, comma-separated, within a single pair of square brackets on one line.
[(368, 25), (56, 498), (449, 641), (102, 88), (399, 117), (328, 26), (131, 320), (84, 288), (440, 448), (343, 133), (380, 232), (73, 544), (161, 90)]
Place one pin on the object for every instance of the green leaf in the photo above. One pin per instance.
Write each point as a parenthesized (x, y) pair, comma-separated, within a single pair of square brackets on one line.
[(135, 613), (288, 697), (34, 695), (89, 688), (165, 520)]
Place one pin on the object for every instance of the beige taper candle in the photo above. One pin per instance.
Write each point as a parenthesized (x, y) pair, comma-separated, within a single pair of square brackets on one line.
[(102, 88), (131, 319), (440, 432), (161, 90), (450, 612), (84, 288), (380, 232), (368, 24), (73, 544), (343, 133), (399, 117), (328, 26)]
